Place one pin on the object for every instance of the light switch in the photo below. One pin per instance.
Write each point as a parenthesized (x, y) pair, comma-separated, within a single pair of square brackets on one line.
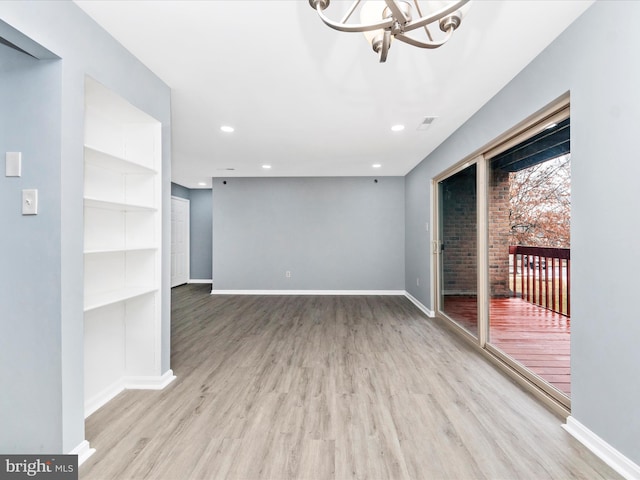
[(30, 202), (13, 166)]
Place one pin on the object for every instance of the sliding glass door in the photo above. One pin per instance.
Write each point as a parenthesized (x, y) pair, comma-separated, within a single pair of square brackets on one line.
[(529, 204), (502, 251), (457, 249)]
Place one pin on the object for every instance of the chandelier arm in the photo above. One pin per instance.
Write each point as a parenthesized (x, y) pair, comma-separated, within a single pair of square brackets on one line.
[(426, 28), (429, 45), (396, 12), (421, 22), (384, 48), (342, 27), (354, 5)]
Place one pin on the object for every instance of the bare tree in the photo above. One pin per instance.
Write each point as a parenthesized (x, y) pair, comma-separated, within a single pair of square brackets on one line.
[(540, 204)]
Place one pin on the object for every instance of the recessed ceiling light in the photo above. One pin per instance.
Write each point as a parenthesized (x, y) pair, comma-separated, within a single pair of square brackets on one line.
[(227, 129), (202, 184), (376, 165), (266, 167), (397, 128)]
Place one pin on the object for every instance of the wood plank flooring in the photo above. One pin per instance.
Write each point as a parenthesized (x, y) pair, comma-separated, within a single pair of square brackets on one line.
[(538, 338), (326, 387)]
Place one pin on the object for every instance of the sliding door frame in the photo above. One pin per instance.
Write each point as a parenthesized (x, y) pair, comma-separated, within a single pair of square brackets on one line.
[(481, 232), (536, 123)]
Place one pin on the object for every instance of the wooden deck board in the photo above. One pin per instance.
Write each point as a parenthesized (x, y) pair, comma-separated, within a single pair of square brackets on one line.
[(536, 337)]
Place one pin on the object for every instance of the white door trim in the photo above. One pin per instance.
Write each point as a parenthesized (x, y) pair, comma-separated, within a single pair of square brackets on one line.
[(176, 278)]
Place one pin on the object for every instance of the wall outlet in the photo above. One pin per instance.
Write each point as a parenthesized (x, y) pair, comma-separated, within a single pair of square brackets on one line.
[(287, 274), (418, 281)]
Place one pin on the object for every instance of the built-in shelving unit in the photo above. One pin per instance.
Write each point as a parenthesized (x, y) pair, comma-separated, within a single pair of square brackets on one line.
[(122, 247)]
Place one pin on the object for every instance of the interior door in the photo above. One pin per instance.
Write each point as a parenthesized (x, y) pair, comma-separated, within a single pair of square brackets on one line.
[(179, 241)]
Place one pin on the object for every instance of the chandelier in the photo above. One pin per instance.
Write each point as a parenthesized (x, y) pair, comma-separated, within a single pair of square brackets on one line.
[(385, 20)]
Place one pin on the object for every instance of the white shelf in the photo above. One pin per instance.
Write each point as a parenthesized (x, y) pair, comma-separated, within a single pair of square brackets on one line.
[(118, 206), (99, 300), (122, 242), (99, 158), (119, 250)]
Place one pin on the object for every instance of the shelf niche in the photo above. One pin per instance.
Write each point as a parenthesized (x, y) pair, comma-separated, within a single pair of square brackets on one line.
[(122, 248)]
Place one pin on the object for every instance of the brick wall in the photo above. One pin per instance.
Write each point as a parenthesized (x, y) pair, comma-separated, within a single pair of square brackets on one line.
[(459, 233), (498, 217)]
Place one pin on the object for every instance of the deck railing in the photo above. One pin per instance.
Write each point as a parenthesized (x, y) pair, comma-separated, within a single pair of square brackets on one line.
[(542, 276)]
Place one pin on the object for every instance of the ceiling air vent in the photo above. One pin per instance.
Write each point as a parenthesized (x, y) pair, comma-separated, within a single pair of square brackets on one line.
[(426, 123)]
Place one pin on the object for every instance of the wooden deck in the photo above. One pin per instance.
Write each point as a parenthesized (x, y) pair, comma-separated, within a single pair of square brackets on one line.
[(536, 337)]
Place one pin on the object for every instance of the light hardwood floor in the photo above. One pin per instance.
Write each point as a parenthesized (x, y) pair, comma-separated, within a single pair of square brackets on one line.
[(326, 387)]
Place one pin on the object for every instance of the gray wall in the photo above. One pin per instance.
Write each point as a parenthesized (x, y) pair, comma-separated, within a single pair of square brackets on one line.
[(45, 410), (30, 327), (331, 233), (200, 237), (594, 60)]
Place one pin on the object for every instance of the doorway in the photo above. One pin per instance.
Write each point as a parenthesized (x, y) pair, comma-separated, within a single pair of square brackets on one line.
[(502, 251)]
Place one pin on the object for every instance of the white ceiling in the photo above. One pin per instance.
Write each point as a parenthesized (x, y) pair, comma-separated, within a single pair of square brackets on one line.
[(311, 101)]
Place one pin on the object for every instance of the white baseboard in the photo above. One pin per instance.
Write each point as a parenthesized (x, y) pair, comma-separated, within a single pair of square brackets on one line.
[(307, 292), (101, 398), (149, 383), (131, 383), (200, 280), (417, 303), (83, 451), (425, 310), (602, 449)]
